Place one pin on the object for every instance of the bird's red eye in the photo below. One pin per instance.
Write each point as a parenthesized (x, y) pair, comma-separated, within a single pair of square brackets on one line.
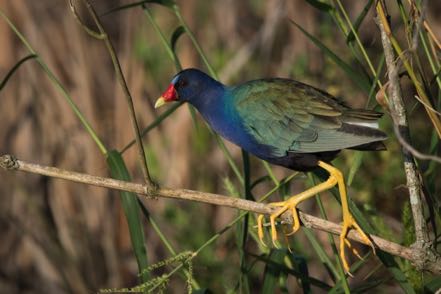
[(182, 83)]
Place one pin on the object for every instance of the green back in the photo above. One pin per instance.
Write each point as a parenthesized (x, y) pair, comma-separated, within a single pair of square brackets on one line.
[(294, 117)]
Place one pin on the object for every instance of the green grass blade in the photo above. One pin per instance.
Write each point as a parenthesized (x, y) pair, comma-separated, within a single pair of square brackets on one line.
[(357, 38), (57, 85), (301, 265), (356, 163), (361, 82), (168, 48), (129, 202), (351, 37), (433, 285), (342, 274), (242, 227), (322, 6), (154, 124), (166, 242), (14, 68), (290, 268), (324, 258), (387, 259), (195, 42), (273, 271), (166, 3)]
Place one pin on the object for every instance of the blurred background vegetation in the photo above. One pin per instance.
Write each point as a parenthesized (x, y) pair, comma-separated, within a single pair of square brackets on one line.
[(61, 237)]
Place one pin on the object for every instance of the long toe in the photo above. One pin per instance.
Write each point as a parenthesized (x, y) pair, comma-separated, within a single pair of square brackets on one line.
[(348, 224), (260, 233)]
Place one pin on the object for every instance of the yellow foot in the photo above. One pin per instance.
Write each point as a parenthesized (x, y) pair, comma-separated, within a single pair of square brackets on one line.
[(290, 204), (335, 178), (348, 224)]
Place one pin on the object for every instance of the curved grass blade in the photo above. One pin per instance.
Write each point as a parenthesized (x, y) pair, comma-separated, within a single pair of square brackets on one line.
[(324, 7), (175, 36), (129, 202), (58, 85), (14, 68), (361, 82), (166, 3), (351, 37), (178, 32)]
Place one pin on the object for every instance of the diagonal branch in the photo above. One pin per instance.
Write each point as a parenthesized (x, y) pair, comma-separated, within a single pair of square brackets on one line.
[(8, 162)]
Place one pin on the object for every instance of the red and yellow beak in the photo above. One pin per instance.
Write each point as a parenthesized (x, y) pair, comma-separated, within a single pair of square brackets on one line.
[(168, 96)]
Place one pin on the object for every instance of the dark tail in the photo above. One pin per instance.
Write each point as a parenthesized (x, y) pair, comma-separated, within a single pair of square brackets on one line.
[(373, 146)]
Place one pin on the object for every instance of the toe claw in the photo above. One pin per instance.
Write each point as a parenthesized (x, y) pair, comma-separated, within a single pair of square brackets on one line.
[(348, 224), (291, 233)]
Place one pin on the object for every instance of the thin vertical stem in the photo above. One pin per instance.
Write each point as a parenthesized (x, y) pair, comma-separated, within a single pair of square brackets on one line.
[(398, 114), (120, 77)]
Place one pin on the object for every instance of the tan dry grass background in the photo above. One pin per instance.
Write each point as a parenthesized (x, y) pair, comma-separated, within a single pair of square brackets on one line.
[(62, 237)]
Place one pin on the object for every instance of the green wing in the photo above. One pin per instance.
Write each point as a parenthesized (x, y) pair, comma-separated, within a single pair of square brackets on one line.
[(294, 117)]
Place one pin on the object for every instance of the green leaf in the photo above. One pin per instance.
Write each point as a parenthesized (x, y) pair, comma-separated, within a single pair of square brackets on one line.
[(273, 271), (301, 266), (202, 291), (320, 5), (320, 251), (290, 269), (433, 286), (129, 202), (356, 163), (361, 82), (167, 3)]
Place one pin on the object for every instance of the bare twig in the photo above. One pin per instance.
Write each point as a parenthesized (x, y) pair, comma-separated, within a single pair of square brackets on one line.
[(102, 35), (381, 16), (412, 149), (399, 117), (412, 254)]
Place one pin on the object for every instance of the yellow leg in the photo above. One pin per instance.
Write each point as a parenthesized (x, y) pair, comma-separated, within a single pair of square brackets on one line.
[(335, 178)]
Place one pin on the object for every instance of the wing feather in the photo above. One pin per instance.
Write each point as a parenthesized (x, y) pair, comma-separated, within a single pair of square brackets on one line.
[(292, 117)]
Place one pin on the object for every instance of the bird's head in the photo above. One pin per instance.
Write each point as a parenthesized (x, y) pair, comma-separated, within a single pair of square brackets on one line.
[(186, 86)]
